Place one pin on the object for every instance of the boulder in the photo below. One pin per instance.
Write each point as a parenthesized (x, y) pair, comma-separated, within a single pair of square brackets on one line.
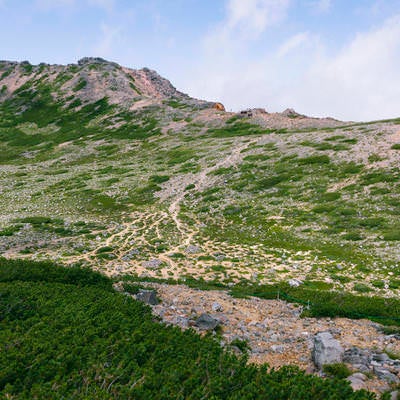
[(357, 381), (206, 322), (326, 350), (147, 297)]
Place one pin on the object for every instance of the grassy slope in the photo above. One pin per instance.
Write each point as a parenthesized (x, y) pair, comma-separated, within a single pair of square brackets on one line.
[(67, 334), (297, 205)]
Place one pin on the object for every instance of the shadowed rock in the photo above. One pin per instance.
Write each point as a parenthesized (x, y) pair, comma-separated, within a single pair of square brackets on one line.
[(206, 322)]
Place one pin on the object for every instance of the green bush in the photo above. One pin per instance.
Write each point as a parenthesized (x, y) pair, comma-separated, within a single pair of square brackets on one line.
[(66, 339), (337, 370)]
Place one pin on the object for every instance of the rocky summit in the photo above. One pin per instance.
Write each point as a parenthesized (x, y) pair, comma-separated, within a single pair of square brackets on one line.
[(113, 168)]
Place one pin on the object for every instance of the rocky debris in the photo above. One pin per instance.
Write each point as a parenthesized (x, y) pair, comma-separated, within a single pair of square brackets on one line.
[(290, 113), (357, 381), (216, 307), (359, 358), (206, 322), (147, 297), (130, 255), (192, 249), (395, 395), (378, 363), (94, 60), (326, 350), (295, 282), (152, 264), (386, 375)]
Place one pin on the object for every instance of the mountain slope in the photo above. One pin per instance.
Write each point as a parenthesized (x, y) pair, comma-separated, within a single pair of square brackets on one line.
[(113, 168)]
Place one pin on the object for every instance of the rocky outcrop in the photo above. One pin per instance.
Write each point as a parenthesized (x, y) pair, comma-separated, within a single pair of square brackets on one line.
[(147, 297), (90, 80)]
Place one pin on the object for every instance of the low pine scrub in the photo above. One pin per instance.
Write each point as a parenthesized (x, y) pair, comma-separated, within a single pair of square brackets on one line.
[(66, 334)]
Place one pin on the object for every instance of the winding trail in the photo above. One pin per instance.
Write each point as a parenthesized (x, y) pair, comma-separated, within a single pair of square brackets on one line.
[(201, 181)]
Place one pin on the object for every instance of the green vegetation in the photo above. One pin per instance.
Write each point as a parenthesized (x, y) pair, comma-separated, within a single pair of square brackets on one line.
[(80, 85), (337, 370), (82, 340), (239, 128)]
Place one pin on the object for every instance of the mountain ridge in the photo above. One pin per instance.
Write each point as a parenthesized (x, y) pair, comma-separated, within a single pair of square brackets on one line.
[(91, 79)]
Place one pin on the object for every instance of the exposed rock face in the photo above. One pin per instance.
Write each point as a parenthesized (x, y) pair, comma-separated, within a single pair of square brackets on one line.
[(327, 350), (147, 297), (206, 322)]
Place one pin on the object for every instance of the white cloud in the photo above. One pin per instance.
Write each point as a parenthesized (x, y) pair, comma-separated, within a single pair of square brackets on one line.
[(321, 6), (107, 5), (110, 36), (293, 43), (245, 20), (252, 17), (362, 80), (359, 82), (52, 4)]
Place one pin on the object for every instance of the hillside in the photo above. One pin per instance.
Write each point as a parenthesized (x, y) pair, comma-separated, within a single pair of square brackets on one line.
[(113, 168)]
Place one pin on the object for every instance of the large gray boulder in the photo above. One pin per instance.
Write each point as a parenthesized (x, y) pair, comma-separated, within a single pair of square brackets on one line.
[(327, 350), (147, 297), (206, 322)]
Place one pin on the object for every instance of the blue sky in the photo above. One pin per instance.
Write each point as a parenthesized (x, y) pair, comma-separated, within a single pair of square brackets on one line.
[(322, 57)]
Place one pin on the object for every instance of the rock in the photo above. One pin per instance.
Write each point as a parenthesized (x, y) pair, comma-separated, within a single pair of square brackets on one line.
[(381, 357), (183, 322), (216, 307), (147, 297), (290, 113), (193, 249), (327, 350), (206, 322), (219, 106), (356, 356), (386, 375), (152, 264), (357, 381), (394, 395), (277, 349), (295, 282)]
